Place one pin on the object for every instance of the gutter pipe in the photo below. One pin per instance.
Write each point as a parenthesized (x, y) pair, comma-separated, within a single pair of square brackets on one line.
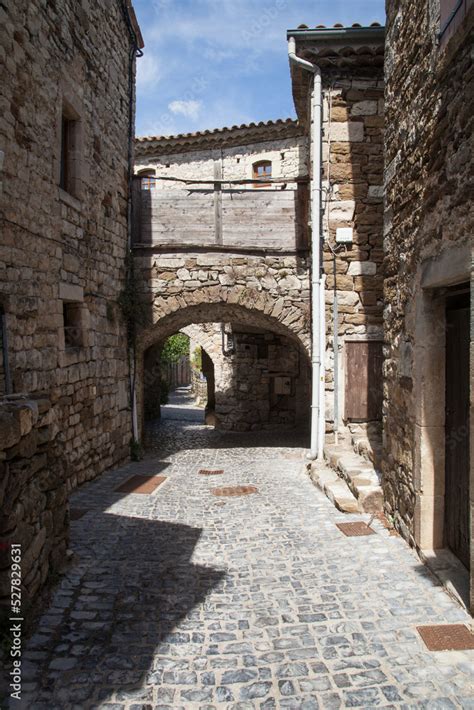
[(317, 302)]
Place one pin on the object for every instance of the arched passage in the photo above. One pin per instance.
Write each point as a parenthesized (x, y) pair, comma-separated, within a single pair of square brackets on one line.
[(276, 340)]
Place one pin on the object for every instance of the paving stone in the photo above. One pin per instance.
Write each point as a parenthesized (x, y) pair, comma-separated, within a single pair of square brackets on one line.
[(261, 603), (224, 694), (240, 676), (197, 696), (286, 687), (255, 690)]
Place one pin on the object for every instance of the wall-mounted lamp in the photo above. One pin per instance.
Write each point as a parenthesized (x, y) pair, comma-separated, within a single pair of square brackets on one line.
[(228, 345)]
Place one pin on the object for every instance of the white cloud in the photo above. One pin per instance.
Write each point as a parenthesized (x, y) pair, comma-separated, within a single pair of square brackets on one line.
[(148, 71), (190, 108)]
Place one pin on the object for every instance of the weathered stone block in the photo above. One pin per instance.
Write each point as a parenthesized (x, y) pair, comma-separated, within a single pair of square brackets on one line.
[(347, 132), (362, 268), (364, 108), (342, 210), (10, 429)]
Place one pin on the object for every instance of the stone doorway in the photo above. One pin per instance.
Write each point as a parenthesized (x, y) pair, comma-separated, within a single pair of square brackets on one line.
[(456, 509), (441, 385)]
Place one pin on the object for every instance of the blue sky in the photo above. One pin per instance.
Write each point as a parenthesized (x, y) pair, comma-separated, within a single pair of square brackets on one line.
[(214, 63)]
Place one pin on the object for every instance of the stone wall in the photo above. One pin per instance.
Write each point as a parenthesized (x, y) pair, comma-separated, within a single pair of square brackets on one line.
[(288, 157), (66, 72), (270, 293), (58, 247), (263, 380), (33, 493), (428, 243), (353, 119), (353, 192)]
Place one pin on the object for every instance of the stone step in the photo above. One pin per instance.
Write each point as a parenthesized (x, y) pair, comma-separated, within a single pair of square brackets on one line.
[(334, 488), (366, 440), (370, 450), (358, 474)]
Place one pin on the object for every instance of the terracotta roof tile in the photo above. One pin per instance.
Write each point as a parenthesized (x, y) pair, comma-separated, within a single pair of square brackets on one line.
[(336, 26), (280, 122), (233, 135)]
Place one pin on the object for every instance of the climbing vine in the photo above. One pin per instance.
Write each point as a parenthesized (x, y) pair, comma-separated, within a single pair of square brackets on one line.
[(131, 304), (134, 315)]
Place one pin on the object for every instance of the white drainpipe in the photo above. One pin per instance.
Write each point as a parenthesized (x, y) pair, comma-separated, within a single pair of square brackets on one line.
[(317, 284)]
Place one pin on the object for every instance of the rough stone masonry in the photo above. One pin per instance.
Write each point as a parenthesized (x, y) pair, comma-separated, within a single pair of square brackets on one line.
[(65, 72), (428, 246)]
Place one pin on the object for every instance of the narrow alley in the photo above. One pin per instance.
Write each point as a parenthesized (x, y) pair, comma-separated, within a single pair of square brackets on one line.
[(182, 598)]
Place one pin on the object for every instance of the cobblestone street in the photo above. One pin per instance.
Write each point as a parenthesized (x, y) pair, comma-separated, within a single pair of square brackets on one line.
[(181, 599)]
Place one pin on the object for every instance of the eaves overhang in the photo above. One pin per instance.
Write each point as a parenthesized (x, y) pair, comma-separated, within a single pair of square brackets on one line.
[(332, 34), (217, 138), (344, 50)]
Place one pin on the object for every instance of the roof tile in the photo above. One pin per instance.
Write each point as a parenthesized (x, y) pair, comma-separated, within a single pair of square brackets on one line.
[(235, 135)]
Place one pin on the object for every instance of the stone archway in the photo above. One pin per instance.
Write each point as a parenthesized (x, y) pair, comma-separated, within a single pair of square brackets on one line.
[(260, 308), (249, 307)]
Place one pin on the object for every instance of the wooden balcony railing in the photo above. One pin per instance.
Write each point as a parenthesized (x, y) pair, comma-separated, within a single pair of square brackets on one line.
[(222, 214)]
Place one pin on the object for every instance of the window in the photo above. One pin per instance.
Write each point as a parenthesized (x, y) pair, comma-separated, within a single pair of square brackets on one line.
[(148, 179), (73, 325), (69, 165), (262, 169)]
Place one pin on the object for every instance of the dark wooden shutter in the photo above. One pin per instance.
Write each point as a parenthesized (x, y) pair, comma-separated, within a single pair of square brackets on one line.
[(363, 396)]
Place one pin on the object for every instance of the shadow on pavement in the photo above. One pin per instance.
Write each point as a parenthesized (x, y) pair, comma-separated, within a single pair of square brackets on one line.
[(118, 608)]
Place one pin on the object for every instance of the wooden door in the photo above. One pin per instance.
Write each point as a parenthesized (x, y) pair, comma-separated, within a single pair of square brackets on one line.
[(456, 509), (363, 388)]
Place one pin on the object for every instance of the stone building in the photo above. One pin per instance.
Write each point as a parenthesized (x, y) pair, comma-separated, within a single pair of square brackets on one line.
[(180, 215), (428, 241), (221, 247), (351, 63), (64, 171)]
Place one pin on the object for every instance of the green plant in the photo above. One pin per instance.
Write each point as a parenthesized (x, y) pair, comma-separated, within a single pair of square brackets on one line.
[(175, 347), (134, 314), (131, 304), (136, 452), (196, 360)]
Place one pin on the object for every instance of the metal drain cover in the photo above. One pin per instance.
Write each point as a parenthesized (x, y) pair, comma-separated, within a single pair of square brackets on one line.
[(355, 529), (447, 637), (234, 491), (141, 484), (211, 472)]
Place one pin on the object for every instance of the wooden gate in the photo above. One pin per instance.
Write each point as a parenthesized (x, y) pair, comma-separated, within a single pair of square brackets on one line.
[(178, 374), (456, 508), (363, 387)]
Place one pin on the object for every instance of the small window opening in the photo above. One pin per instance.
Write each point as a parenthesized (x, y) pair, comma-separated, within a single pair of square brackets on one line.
[(73, 328), (262, 169), (148, 179), (69, 159)]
